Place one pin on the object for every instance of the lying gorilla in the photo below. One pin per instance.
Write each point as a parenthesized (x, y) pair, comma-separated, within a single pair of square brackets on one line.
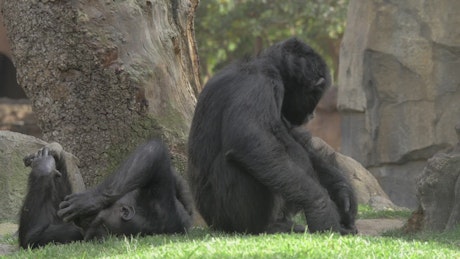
[(251, 166), (143, 196)]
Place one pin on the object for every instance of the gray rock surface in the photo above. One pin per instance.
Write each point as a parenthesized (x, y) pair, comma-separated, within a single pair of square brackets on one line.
[(13, 176), (367, 189), (439, 190), (399, 88)]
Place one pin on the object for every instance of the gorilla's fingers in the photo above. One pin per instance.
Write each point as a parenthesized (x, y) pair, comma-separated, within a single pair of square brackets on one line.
[(68, 218), (45, 151), (69, 197), (57, 173), (66, 214), (348, 231), (344, 199), (64, 204), (61, 213), (28, 160), (346, 203)]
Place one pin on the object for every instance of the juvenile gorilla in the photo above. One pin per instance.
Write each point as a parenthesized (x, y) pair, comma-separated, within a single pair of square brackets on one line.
[(143, 196), (251, 167)]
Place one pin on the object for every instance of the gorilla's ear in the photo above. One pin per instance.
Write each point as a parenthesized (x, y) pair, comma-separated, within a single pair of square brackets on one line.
[(127, 212)]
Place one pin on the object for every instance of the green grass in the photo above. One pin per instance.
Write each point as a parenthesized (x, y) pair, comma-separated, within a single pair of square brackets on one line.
[(366, 212), (202, 243)]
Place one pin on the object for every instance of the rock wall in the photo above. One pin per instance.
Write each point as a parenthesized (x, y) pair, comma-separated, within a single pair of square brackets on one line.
[(399, 88), (16, 115), (13, 176), (366, 187), (439, 189), (4, 44)]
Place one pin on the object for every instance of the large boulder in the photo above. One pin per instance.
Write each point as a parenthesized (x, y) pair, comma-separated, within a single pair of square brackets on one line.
[(325, 126), (439, 190), (399, 88), (366, 187), (13, 176)]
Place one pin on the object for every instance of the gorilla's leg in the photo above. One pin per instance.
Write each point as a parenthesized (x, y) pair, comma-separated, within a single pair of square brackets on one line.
[(159, 207), (184, 199), (148, 165), (234, 201)]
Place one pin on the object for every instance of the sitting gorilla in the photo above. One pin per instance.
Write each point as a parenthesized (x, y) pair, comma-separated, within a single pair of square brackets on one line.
[(251, 166), (143, 196)]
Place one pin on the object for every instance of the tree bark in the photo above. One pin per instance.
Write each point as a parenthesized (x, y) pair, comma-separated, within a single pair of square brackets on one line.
[(104, 76)]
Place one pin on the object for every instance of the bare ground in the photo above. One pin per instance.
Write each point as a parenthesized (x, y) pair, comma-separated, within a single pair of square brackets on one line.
[(375, 227)]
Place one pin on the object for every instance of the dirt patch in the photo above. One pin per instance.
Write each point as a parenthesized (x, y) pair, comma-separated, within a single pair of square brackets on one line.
[(7, 229), (375, 227), (7, 249)]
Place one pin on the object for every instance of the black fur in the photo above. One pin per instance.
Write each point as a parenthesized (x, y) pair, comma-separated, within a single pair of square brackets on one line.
[(143, 196), (250, 166), (48, 185)]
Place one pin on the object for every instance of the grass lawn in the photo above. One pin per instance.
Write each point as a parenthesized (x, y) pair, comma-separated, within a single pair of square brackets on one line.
[(202, 243)]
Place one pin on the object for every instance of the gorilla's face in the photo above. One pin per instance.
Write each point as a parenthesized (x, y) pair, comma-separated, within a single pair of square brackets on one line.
[(300, 101), (119, 219)]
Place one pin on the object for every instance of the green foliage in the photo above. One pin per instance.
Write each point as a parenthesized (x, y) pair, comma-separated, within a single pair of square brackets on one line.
[(229, 29)]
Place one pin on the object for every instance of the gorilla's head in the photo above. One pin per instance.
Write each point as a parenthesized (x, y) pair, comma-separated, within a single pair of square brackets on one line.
[(121, 218), (305, 78)]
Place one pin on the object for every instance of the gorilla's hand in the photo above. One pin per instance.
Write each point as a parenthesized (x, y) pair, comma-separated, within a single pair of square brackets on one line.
[(323, 216), (344, 198), (81, 204), (331, 217), (42, 163)]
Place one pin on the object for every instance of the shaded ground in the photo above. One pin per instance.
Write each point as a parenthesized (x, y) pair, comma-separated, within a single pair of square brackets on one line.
[(7, 228), (375, 227), (366, 227)]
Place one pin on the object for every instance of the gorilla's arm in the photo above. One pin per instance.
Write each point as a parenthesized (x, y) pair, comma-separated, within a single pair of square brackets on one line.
[(324, 162), (58, 232), (147, 166), (183, 194), (261, 154), (38, 224)]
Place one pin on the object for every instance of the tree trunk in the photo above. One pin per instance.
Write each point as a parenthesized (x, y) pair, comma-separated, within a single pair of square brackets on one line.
[(104, 76)]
